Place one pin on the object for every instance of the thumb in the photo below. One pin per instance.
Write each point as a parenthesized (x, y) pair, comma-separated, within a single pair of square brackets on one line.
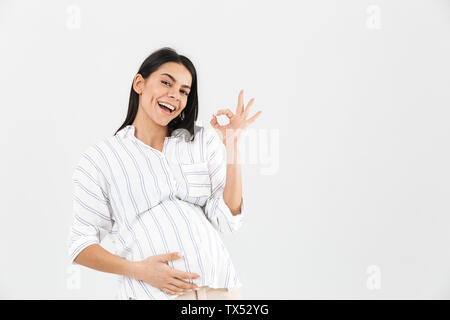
[(170, 256)]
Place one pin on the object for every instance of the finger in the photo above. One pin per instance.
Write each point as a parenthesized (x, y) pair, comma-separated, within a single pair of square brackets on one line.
[(167, 290), (247, 109), (240, 105), (182, 284), (174, 288), (170, 256), (214, 122), (253, 118), (185, 275), (226, 112)]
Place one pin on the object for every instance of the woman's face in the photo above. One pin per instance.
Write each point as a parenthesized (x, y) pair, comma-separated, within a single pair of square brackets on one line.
[(170, 84)]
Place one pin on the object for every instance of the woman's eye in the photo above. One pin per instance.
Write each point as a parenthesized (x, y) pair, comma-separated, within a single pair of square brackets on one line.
[(184, 92)]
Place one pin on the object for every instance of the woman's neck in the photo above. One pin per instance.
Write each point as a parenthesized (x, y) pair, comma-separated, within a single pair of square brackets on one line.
[(149, 132)]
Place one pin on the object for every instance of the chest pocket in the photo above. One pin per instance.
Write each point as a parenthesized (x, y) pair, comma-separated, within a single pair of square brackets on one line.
[(196, 181)]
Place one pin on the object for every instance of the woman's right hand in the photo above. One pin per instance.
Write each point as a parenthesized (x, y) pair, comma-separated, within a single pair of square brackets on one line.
[(155, 271)]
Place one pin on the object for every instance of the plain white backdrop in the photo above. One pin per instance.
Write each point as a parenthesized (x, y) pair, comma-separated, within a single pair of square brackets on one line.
[(355, 92)]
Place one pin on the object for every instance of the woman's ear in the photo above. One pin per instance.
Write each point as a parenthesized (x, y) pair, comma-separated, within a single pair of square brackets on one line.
[(138, 83)]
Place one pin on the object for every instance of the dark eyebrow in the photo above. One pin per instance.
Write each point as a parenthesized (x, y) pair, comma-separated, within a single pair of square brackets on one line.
[(173, 79)]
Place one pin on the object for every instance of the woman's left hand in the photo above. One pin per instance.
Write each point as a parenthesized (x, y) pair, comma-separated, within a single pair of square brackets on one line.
[(231, 132)]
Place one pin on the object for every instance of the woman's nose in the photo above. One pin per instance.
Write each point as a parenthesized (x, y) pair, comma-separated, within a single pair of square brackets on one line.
[(174, 96)]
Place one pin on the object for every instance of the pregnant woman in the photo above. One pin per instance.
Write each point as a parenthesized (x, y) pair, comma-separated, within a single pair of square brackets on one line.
[(163, 188)]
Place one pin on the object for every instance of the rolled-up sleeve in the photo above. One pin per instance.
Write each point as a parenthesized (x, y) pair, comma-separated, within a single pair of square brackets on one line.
[(92, 217), (215, 208)]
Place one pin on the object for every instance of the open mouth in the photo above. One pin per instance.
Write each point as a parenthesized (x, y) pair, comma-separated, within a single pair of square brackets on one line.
[(166, 108)]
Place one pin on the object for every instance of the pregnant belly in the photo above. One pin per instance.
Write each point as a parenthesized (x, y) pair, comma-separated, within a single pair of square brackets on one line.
[(173, 226)]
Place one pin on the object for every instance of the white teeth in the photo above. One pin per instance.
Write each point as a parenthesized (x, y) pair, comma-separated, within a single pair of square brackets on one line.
[(167, 105)]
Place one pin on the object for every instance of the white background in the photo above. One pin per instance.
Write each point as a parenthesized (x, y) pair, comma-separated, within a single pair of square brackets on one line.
[(357, 90)]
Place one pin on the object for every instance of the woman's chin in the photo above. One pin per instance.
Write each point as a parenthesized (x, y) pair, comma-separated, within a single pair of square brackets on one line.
[(163, 121)]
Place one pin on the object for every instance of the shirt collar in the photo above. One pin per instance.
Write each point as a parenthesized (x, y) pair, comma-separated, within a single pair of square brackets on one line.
[(128, 132)]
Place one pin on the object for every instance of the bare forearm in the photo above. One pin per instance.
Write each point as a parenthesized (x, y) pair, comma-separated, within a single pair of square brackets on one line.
[(96, 257), (232, 193)]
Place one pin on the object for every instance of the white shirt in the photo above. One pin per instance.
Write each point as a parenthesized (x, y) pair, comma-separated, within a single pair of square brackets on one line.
[(154, 202)]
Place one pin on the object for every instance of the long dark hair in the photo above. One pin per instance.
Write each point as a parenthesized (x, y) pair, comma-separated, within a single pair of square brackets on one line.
[(150, 65)]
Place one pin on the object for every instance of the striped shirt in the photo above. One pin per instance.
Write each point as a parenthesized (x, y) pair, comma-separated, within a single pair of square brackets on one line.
[(154, 202)]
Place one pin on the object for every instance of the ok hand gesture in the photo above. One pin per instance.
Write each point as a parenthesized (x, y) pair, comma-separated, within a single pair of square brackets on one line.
[(231, 132)]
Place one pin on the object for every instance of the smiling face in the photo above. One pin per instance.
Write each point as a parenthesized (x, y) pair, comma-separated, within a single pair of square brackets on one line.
[(169, 85)]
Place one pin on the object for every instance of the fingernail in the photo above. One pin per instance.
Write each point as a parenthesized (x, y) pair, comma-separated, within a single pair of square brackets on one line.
[(181, 254)]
